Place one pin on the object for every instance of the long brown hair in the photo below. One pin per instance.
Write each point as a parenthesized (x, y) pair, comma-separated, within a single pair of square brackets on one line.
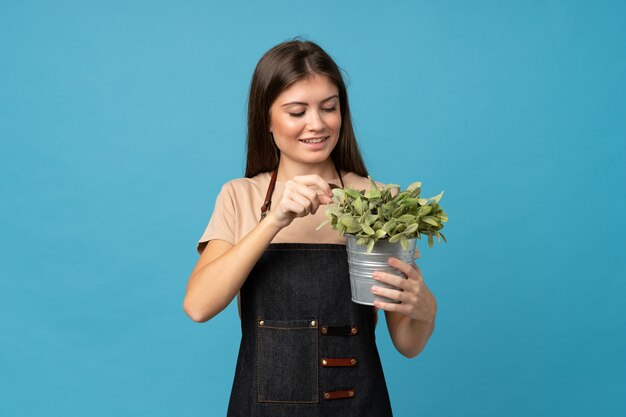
[(280, 67)]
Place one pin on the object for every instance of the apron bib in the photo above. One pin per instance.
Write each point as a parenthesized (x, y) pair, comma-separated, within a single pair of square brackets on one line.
[(306, 349)]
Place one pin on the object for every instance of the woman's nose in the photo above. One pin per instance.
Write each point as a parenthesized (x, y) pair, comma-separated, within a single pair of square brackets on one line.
[(315, 121)]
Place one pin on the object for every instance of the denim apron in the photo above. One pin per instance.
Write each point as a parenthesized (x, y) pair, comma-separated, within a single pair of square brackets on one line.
[(306, 349)]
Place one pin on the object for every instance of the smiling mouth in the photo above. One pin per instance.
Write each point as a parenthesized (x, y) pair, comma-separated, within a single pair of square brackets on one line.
[(316, 140)]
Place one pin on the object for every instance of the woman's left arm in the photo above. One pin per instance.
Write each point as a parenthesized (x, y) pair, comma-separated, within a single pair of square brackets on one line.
[(411, 322)]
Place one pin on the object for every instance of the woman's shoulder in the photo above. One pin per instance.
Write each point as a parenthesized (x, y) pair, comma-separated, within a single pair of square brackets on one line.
[(246, 184)]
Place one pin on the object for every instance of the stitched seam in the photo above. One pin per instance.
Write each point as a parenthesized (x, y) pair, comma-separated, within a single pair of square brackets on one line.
[(258, 366), (288, 402), (285, 328), (305, 249), (317, 367)]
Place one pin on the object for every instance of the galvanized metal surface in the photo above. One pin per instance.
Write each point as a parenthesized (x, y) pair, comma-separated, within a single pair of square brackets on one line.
[(363, 264)]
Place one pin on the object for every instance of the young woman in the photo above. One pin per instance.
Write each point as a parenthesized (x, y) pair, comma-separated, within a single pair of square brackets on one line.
[(306, 348)]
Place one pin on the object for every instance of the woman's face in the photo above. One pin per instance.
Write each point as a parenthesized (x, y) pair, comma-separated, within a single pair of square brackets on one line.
[(307, 110)]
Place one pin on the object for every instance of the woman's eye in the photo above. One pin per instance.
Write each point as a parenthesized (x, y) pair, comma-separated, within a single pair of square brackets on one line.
[(329, 110)]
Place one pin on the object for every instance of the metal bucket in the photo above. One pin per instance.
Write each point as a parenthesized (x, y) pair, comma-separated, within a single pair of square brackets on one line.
[(363, 264)]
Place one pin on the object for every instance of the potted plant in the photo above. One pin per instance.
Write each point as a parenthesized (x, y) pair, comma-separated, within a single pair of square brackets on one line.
[(379, 224)]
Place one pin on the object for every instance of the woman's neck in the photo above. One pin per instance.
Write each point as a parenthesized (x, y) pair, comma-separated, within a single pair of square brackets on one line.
[(288, 169)]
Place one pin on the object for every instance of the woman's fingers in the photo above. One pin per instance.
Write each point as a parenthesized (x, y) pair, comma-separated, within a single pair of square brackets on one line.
[(412, 271), (309, 194), (301, 203), (387, 292), (294, 207), (303, 195), (393, 307), (390, 279), (316, 181), (311, 187)]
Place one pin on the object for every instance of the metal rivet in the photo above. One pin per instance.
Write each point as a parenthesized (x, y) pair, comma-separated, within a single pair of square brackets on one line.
[(351, 393), (261, 323), (324, 362), (354, 330), (326, 395), (353, 361), (313, 322), (324, 329)]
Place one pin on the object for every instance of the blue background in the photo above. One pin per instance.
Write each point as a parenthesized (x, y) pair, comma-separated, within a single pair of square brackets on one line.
[(119, 123)]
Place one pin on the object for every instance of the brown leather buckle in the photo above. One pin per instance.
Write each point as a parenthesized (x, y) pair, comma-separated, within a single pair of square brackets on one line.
[(339, 394), (326, 362), (268, 196), (339, 330)]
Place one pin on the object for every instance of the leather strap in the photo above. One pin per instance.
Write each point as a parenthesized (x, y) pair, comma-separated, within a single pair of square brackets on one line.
[(268, 196), (339, 330), (339, 394), (326, 362)]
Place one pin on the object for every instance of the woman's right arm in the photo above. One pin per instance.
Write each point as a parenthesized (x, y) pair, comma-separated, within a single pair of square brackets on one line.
[(223, 268)]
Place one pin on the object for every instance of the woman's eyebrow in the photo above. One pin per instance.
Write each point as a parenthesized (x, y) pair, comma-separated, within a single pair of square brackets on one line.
[(300, 102)]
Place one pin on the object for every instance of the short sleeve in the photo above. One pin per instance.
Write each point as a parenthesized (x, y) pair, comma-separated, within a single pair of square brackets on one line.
[(222, 224)]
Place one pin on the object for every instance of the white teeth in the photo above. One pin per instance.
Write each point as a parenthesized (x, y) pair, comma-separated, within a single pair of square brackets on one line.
[(315, 140)]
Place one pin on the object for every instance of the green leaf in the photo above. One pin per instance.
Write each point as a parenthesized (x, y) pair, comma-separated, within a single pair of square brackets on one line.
[(373, 193), (354, 229), (389, 226), (409, 201), (380, 233), (370, 245), (352, 193), (422, 201), (374, 203), (443, 237), (348, 221), (414, 186), (404, 242), (368, 229), (430, 220), (397, 212), (406, 218), (424, 210), (437, 197), (358, 205), (395, 238), (339, 195), (370, 218), (411, 229), (430, 241)]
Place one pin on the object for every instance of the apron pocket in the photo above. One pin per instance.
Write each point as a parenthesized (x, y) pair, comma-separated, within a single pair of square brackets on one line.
[(287, 361)]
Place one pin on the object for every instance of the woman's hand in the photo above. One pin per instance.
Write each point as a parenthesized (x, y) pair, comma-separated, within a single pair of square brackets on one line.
[(300, 198), (416, 300)]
